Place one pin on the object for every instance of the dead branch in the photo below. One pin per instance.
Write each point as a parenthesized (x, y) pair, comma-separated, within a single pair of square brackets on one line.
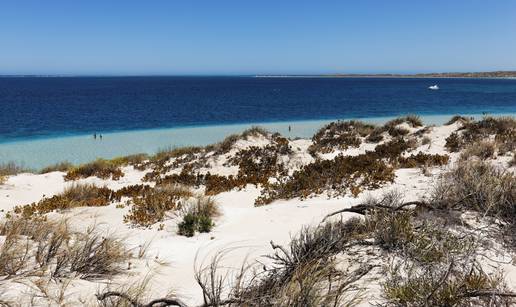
[(363, 208), (480, 293), (157, 302)]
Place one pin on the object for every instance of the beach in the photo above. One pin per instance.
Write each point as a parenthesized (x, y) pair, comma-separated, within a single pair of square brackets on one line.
[(41, 152), (242, 231)]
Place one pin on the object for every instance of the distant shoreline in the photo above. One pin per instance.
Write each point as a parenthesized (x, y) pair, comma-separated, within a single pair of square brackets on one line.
[(447, 75)]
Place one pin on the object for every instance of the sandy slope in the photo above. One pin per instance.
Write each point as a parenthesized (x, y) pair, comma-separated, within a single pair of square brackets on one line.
[(242, 228)]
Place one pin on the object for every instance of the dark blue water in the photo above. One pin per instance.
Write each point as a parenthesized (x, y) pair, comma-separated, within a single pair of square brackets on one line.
[(39, 107)]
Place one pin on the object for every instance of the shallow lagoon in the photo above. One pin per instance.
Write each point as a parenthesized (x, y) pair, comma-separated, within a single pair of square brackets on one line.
[(38, 153)]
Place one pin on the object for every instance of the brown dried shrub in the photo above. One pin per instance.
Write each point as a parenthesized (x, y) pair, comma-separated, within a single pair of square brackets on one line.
[(340, 175), (152, 205), (340, 135), (36, 246), (422, 159), (481, 149), (101, 168), (76, 195)]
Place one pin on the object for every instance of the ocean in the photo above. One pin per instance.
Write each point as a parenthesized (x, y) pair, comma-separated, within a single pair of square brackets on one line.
[(50, 119)]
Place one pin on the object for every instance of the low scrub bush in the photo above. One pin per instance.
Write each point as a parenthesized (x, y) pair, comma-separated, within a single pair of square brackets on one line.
[(478, 186), (391, 127), (339, 135), (482, 150), (422, 159), (104, 169), (151, 205), (502, 128), (341, 175), (76, 195), (454, 142)]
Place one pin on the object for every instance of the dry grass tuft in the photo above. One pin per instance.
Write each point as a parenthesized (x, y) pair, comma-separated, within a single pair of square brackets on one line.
[(104, 169), (478, 186), (35, 246), (76, 195), (58, 167), (198, 216), (444, 284), (10, 169), (483, 150)]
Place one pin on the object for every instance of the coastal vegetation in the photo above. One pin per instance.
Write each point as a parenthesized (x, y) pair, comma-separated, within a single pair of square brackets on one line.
[(422, 216)]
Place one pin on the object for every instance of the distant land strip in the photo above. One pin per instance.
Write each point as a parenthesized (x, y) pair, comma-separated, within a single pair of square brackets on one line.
[(487, 74)]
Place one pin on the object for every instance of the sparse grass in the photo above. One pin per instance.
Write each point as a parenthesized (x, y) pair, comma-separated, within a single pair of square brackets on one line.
[(443, 284), (104, 169), (36, 246), (304, 273), (136, 160), (198, 217), (151, 205), (76, 195), (10, 169), (58, 167), (422, 159), (481, 149), (478, 186), (481, 187), (165, 154)]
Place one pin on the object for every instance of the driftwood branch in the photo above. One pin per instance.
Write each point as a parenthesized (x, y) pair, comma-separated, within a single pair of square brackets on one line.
[(154, 303), (364, 208), (480, 293)]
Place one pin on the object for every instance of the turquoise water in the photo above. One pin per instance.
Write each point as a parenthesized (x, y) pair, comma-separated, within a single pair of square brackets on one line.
[(77, 149)]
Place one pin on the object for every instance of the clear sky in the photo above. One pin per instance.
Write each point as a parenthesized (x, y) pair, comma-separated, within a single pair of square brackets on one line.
[(171, 37)]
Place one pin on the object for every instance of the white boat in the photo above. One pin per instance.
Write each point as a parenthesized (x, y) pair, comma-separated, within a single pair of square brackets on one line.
[(434, 87)]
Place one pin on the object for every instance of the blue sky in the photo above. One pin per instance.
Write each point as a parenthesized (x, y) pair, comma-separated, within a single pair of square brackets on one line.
[(171, 37)]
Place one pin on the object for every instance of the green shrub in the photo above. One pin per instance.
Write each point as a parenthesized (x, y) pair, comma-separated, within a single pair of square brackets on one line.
[(198, 217), (188, 225)]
